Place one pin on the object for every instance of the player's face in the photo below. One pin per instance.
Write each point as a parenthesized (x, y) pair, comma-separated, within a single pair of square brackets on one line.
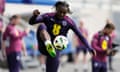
[(61, 12), (16, 21), (81, 24), (109, 31)]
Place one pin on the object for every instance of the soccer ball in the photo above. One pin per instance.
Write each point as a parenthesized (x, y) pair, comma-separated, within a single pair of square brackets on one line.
[(60, 42)]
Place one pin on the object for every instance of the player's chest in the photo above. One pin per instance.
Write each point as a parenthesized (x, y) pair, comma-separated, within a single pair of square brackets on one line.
[(57, 27), (104, 41), (52, 22), (15, 32)]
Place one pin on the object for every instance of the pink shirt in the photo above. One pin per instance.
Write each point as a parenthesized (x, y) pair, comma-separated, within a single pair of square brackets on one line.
[(84, 32), (101, 45), (13, 39)]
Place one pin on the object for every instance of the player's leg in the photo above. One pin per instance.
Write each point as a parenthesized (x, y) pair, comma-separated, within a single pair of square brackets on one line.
[(104, 67), (52, 63), (95, 66), (14, 62), (44, 41), (42, 62), (76, 58), (110, 62), (84, 56), (85, 60), (77, 54)]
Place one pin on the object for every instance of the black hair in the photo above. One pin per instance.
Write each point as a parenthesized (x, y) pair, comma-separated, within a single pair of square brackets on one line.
[(14, 17), (110, 26), (62, 3)]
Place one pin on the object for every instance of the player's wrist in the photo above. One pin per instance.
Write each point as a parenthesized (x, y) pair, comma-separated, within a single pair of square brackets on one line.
[(47, 42)]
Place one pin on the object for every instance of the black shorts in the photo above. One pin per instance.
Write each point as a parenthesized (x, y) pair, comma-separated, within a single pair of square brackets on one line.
[(81, 48)]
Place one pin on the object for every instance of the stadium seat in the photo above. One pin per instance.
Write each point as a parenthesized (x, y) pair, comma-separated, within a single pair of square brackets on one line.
[(14, 1), (44, 2)]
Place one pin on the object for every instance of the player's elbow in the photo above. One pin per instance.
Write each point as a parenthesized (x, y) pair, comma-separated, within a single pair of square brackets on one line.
[(31, 22)]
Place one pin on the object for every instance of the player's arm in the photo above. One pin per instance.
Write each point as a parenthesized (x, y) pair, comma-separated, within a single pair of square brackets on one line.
[(36, 18), (95, 45), (24, 48), (13, 34), (4, 38), (80, 36), (3, 48), (20, 35)]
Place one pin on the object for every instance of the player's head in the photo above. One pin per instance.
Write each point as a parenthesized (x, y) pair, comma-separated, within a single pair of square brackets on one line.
[(62, 8), (15, 19), (81, 24), (109, 28)]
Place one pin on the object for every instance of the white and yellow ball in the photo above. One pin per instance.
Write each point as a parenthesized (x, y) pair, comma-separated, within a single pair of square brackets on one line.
[(60, 42)]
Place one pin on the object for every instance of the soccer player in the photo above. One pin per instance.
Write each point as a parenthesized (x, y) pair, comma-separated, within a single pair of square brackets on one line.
[(54, 24), (102, 43), (81, 47), (12, 44)]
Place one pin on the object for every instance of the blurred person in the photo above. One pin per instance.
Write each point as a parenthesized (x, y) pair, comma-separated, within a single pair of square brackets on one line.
[(12, 44), (102, 43), (54, 24), (110, 58), (81, 47), (2, 7)]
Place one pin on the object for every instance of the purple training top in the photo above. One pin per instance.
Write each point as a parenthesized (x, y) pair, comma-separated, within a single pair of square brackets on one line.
[(101, 44), (57, 26), (13, 39)]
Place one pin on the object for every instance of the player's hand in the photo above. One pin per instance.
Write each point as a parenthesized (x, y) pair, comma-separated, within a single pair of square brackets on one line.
[(50, 49), (111, 52), (36, 12), (27, 30), (92, 52), (25, 53), (4, 54), (108, 51)]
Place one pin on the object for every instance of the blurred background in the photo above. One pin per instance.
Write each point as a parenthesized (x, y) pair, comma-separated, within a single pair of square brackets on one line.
[(93, 13)]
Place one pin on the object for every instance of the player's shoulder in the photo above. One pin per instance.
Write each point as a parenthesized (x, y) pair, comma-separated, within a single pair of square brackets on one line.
[(96, 35), (9, 26), (69, 20), (49, 14)]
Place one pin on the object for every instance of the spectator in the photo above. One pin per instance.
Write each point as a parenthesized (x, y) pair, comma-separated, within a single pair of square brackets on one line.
[(12, 44), (81, 47), (2, 9)]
